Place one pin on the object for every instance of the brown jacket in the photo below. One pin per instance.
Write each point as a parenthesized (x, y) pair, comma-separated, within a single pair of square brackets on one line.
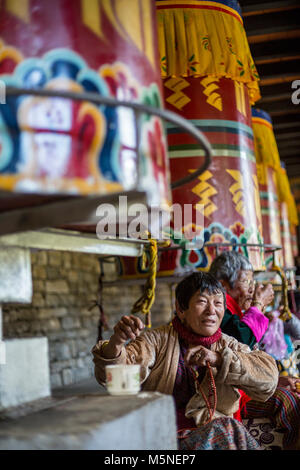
[(157, 351)]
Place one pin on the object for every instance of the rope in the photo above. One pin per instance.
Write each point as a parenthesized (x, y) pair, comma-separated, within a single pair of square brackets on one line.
[(145, 302)]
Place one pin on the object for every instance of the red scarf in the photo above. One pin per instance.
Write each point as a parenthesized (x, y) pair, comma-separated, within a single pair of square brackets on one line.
[(233, 306), (235, 309), (193, 338)]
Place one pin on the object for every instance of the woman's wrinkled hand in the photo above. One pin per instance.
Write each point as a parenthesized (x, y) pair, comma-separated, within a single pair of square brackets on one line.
[(263, 295), (128, 328), (199, 356)]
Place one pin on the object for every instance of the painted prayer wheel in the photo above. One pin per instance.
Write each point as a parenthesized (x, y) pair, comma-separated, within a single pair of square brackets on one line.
[(268, 163), (286, 236), (56, 146), (295, 187), (209, 78), (220, 107), (287, 216), (294, 240)]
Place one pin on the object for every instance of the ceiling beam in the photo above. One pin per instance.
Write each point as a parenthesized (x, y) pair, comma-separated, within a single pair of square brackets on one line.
[(289, 67), (265, 8), (284, 145), (290, 152), (292, 170), (281, 107), (277, 89), (275, 59), (275, 79), (288, 135), (272, 35), (284, 112), (286, 48), (271, 98), (285, 125)]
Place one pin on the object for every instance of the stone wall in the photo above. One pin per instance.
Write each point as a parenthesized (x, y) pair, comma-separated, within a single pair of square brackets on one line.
[(65, 285)]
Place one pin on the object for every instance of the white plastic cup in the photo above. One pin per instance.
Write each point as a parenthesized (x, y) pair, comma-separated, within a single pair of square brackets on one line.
[(123, 379)]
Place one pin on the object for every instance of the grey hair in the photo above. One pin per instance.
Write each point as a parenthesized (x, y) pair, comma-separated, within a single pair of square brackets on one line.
[(227, 266)]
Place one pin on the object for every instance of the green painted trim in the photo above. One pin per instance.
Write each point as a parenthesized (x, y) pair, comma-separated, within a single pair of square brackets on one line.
[(215, 122), (223, 152)]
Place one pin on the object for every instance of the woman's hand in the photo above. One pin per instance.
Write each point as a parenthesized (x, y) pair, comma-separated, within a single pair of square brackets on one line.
[(263, 296), (129, 327), (199, 356), (289, 383)]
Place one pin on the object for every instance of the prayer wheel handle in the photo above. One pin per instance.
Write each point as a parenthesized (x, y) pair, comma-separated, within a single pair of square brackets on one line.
[(139, 109)]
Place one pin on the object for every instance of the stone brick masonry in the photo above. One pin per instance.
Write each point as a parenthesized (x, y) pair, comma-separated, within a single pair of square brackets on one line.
[(65, 285)]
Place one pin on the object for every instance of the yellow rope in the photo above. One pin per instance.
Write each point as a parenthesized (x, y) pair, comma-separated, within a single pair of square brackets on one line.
[(145, 302)]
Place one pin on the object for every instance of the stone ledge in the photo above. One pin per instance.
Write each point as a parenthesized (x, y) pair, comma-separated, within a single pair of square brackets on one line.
[(96, 422)]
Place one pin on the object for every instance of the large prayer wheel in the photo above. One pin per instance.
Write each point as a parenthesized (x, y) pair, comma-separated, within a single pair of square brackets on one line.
[(295, 187), (288, 216), (213, 92), (268, 164), (209, 78), (61, 146)]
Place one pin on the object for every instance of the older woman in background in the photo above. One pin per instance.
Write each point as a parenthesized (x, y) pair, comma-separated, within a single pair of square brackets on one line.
[(195, 362), (248, 302)]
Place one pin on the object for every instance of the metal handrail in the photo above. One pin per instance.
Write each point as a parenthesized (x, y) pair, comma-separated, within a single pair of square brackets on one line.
[(138, 109), (268, 247)]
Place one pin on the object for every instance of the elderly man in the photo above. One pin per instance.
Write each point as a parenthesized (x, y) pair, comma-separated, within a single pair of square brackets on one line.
[(246, 304), (195, 362)]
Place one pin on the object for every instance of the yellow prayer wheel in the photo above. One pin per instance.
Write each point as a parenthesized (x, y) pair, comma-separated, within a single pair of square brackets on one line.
[(268, 164)]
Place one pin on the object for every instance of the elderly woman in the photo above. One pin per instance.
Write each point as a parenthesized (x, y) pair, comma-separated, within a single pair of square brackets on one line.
[(193, 361), (247, 303), (243, 300)]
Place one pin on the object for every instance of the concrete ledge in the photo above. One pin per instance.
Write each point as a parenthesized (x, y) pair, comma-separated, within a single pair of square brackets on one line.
[(89, 422), (25, 375)]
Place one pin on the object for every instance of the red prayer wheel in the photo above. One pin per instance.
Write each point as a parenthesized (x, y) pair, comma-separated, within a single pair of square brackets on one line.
[(288, 216), (54, 145), (294, 240), (209, 79), (286, 236), (220, 107)]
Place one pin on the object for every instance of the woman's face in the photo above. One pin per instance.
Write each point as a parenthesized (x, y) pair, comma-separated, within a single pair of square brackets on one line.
[(204, 314), (243, 289)]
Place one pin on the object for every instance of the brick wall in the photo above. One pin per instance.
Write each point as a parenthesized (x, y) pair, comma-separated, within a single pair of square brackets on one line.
[(64, 286)]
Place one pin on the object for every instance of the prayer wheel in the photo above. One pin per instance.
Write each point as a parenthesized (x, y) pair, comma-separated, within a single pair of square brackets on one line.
[(295, 187), (212, 85), (209, 78), (294, 240), (268, 164), (288, 216), (56, 145)]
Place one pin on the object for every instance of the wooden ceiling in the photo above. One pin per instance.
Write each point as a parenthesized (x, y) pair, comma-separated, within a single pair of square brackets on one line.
[(273, 31)]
